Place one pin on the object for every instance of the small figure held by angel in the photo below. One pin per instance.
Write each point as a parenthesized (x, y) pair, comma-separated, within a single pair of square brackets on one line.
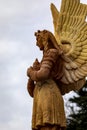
[(63, 67)]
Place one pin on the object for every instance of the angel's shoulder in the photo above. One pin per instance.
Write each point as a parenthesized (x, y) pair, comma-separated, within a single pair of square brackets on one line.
[(53, 52)]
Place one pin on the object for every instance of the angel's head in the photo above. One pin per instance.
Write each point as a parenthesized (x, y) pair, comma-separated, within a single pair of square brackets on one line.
[(42, 38), (46, 40)]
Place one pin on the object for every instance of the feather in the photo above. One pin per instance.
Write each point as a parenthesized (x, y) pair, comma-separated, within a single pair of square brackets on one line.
[(74, 54), (80, 61), (67, 66), (64, 80), (83, 27), (84, 58), (78, 50), (70, 65), (72, 73), (84, 54), (76, 6), (55, 15), (63, 6), (83, 72), (68, 77), (79, 74), (78, 45), (84, 38), (84, 67), (84, 50), (84, 47), (73, 65), (84, 42)]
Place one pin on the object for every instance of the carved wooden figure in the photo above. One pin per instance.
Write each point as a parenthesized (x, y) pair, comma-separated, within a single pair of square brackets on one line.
[(63, 66)]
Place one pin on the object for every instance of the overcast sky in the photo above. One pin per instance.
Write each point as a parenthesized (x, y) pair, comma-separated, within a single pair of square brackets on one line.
[(19, 19)]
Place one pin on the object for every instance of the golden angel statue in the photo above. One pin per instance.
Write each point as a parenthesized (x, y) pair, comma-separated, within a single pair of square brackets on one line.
[(63, 67)]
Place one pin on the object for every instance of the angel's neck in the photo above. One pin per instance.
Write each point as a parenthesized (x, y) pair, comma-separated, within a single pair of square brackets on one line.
[(48, 46)]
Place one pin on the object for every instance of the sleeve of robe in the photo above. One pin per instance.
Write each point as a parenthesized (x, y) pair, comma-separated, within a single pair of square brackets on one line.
[(48, 61)]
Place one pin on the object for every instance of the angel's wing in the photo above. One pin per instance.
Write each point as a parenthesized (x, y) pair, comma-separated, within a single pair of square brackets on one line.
[(70, 28)]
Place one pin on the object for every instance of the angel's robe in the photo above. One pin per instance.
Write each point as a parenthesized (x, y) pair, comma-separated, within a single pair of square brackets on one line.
[(48, 105)]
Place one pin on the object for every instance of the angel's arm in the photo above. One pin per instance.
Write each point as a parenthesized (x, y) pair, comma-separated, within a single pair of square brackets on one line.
[(30, 87), (31, 84), (48, 63)]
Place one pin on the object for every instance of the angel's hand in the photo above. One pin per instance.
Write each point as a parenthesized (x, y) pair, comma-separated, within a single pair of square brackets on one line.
[(29, 70), (36, 65)]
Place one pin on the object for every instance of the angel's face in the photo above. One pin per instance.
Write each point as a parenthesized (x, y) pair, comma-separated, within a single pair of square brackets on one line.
[(40, 40)]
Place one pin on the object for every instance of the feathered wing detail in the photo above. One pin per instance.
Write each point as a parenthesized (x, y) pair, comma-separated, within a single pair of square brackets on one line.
[(55, 15), (71, 34)]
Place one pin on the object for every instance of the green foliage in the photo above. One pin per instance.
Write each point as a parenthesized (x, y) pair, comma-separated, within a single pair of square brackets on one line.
[(77, 120)]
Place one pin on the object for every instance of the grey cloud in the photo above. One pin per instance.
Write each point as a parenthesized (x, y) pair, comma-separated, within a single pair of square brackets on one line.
[(17, 7), (19, 17)]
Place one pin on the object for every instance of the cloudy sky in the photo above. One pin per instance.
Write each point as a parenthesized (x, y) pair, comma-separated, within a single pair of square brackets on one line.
[(19, 19)]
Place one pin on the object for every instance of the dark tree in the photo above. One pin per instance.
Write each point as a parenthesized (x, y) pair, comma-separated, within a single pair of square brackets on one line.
[(77, 120)]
